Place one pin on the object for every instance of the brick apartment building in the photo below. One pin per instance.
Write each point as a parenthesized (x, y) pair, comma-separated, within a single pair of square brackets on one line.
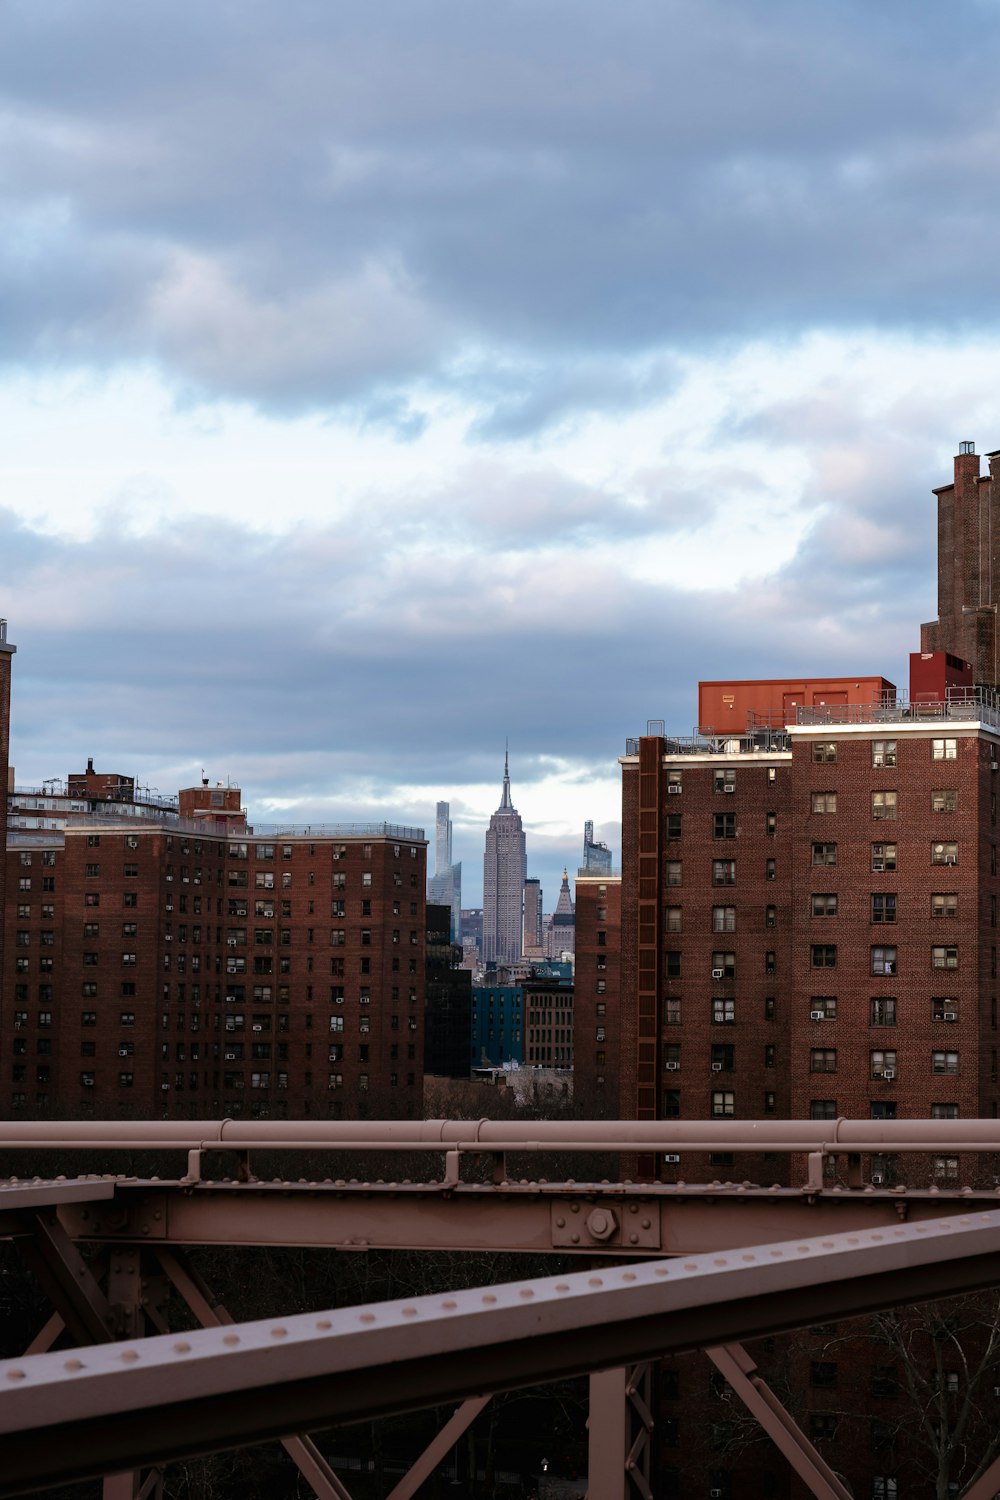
[(810, 930), (166, 960), (6, 653)]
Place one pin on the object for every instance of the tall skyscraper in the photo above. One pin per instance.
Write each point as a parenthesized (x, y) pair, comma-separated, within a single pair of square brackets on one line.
[(444, 887), (532, 947), (504, 873), (596, 856)]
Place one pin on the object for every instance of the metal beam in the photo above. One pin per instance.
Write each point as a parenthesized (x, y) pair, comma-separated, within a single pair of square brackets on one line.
[(489, 1136), (114, 1407), (732, 1361), (611, 1219), (437, 1450), (211, 1314), (65, 1277)]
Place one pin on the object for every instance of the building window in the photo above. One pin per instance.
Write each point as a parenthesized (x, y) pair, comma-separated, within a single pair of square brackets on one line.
[(673, 825), (723, 1103), (723, 872), (824, 854), (723, 965), (883, 857), (944, 749), (944, 1111), (883, 752), (674, 871), (824, 802), (823, 1060), (884, 805), (944, 1008), (770, 916), (723, 1012), (725, 781), (770, 869), (723, 1057), (723, 918), (824, 955), (882, 1010), (824, 753), (944, 801), (944, 1168), (883, 960), (882, 1063), (943, 957), (771, 824), (822, 1007), (724, 826), (944, 1062), (672, 965), (945, 904), (824, 904), (671, 1104), (672, 919), (884, 907)]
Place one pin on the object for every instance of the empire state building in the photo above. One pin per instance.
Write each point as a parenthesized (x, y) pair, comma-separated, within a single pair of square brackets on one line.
[(504, 870)]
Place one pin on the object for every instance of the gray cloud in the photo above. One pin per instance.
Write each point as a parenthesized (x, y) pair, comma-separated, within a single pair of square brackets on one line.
[(308, 208)]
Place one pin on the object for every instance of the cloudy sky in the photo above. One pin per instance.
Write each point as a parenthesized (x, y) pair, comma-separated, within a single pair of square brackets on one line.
[(382, 381)]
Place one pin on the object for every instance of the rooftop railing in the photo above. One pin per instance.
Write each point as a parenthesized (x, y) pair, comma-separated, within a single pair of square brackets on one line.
[(339, 830), (767, 732)]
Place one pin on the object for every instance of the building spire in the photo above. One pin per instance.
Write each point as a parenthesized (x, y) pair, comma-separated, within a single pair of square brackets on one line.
[(506, 805)]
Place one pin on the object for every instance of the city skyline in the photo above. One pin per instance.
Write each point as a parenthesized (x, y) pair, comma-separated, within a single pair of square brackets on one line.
[(329, 379)]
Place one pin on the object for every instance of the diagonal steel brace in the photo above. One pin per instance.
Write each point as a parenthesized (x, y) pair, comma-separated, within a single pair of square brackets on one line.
[(212, 1314), (733, 1361)]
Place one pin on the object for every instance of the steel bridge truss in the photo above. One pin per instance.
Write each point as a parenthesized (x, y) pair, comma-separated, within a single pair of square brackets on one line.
[(669, 1269)]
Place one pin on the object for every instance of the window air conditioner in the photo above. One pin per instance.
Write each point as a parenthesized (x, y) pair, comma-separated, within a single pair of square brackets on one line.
[(817, 1015), (877, 1179), (715, 1495), (164, 1085), (951, 859), (672, 1067), (951, 1015), (729, 787), (718, 973), (994, 765), (258, 1027), (123, 1052), (716, 1067), (672, 1157), (673, 791), (889, 1074), (230, 1057)]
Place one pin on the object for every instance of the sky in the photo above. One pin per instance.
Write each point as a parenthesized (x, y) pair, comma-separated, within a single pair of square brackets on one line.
[(382, 383)]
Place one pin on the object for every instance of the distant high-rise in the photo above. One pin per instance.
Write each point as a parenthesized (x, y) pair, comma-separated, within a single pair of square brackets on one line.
[(444, 887), (560, 935), (596, 857), (532, 947), (504, 873)]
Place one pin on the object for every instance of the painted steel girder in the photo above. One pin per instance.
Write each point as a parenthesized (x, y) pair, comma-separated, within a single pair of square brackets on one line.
[(608, 1219), (110, 1408)]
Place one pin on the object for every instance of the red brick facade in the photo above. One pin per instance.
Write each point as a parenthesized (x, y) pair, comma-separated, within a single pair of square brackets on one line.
[(160, 971), (6, 655), (968, 567), (808, 928), (597, 999)]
